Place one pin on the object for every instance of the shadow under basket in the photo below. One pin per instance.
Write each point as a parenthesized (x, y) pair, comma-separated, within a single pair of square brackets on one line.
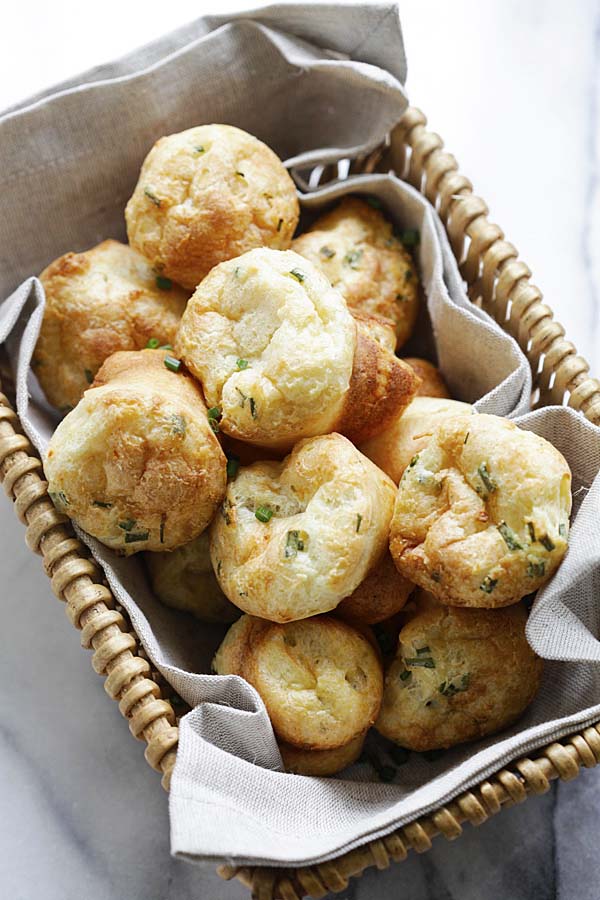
[(498, 282)]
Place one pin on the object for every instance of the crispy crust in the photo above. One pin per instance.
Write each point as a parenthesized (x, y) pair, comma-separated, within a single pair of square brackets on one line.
[(98, 302), (481, 515), (477, 675), (184, 580), (229, 658), (355, 247), (381, 595), (206, 195), (321, 763), (378, 328), (136, 463), (320, 680), (432, 381), (331, 511), (381, 388), (409, 433)]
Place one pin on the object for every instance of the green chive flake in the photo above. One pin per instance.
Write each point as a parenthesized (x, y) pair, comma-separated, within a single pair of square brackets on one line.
[(358, 521), (296, 543), (562, 530), (233, 465), (547, 542), (536, 569), (488, 584), (242, 364), (487, 479), (510, 538), (164, 284), (279, 224), (128, 524), (101, 504), (153, 344), (59, 498), (152, 196), (133, 537), (179, 424), (326, 252), (298, 275), (426, 662), (199, 150), (264, 514), (352, 257), (172, 364)]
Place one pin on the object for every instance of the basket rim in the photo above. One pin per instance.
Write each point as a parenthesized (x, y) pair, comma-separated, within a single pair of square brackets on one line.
[(499, 283)]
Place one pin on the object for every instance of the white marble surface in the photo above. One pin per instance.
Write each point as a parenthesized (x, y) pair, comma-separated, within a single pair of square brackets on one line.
[(514, 90)]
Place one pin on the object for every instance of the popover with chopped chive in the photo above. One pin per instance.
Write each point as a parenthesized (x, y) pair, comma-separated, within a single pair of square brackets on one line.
[(356, 247), (482, 512), (293, 538), (100, 301), (458, 675), (394, 447), (208, 194), (136, 464), (321, 681), (279, 355), (184, 579)]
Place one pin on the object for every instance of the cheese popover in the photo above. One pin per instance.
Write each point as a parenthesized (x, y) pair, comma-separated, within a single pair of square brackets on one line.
[(136, 463), (482, 513), (184, 579), (394, 447), (321, 763), (280, 357), (458, 675), (295, 537), (355, 246), (97, 302), (206, 195), (320, 680), (432, 380), (381, 595)]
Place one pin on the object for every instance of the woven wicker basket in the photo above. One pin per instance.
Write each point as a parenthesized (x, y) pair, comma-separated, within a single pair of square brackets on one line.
[(497, 281)]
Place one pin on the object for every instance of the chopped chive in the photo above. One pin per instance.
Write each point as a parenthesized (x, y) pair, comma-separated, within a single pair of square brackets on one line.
[(326, 252), (279, 224), (165, 347), (152, 196), (562, 530), (536, 569), (427, 662), (488, 584), (172, 364), (413, 461), (298, 275), (352, 257), (401, 298), (400, 755), (219, 567), (253, 412), (423, 651), (88, 376), (374, 202), (466, 437), (531, 530), (242, 364), (224, 510), (510, 538), (547, 542), (358, 521), (153, 344), (237, 271), (487, 479), (101, 504), (240, 175), (405, 675), (179, 424), (214, 412), (450, 688), (165, 284), (243, 396), (233, 464), (435, 576), (162, 531), (264, 514), (199, 149), (296, 543), (410, 237), (132, 537), (128, 524)]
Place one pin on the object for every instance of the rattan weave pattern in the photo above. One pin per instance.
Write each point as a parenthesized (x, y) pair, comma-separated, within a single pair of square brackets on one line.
[(498, 282)]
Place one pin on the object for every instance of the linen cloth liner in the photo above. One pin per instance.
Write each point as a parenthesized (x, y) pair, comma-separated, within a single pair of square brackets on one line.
[(228, 798)]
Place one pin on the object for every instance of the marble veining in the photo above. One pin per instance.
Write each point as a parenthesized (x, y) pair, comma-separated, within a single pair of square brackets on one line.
[(514, 90)]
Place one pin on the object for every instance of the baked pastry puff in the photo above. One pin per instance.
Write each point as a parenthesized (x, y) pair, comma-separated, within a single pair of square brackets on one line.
[(482, 513), (354, 245), (409, 433), (458, 675), (136, 463), (382, 594), (321, 763), (293, 538), (184, 579), (432, 380), (281, 358), (98, 302), (206, 195), (320, 679)]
